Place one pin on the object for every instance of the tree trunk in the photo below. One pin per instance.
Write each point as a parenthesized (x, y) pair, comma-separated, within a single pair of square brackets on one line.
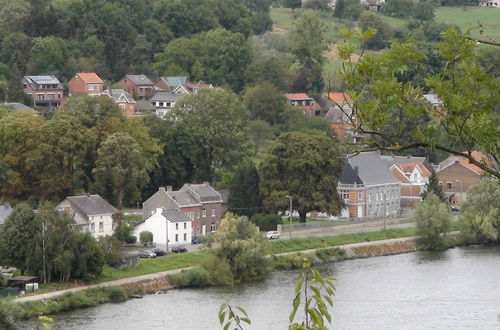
[(302, 214)]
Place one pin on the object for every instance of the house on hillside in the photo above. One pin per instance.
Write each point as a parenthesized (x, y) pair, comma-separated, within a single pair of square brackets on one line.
[(19, 107), (339, 116), (164, 102), (368, 187), (456, 175), (199, 202), (413, 175), (190, 88), (489, 3), (5, 211), (123, 99), (138, 85), (169, 84), (45, 91), (91, 213), (171, 224), (143, 107), (305, 103), (85, 84)]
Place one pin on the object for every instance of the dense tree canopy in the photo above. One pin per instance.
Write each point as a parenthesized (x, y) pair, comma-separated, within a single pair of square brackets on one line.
[(305, 167)]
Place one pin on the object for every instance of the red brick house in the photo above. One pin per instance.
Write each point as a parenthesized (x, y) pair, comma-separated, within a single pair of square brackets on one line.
[(123, 99), (190, 88), (338, 115), (85, 83), (199, 202), (413, 175), (45, 91), (169, 84), (456, 175), (138, 85), (305, 103)]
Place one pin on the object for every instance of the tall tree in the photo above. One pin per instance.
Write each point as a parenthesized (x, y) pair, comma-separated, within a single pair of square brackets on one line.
[(293, 4), (120, 168), (424, 11), (215, 122), (304, 167), (260, 133), (244, 194), (432, 187), (264, 102), (433, 219), (308, 42), (339, 10)]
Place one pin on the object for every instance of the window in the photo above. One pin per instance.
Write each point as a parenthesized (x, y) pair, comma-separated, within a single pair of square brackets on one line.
[(185, 226), (212, 227), (449, 185), (197, 215), (169, 104), (185, 237), (122, 106), (92, 227), (376, 196), (344, 194), (213, 213), (204, 213), (360, 195), (369, 210), (101, 227), (369, 197), (176, 226), (177, 237)]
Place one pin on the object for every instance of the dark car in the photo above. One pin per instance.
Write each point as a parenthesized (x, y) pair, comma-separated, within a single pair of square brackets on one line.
[(179, 249), (195, 240), (146, 254), (159, 252)]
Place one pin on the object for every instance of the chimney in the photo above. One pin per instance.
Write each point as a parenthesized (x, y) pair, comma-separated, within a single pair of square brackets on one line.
[(169, 188), (162, 189)]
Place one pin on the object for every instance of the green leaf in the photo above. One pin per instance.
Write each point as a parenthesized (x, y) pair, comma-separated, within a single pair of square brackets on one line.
[(246, 320), (227, 325), (222, 316), (242, 310)]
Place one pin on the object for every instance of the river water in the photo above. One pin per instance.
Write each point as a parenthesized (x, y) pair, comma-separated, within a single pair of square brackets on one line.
[(454, 289)]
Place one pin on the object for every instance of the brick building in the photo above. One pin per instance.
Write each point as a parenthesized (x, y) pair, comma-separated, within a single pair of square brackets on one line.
[(45, 91), (85, 83)]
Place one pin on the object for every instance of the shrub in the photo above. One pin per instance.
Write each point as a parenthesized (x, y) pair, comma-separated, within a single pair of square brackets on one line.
[(289, 261), (124, 233), (192, 278), (113, 250), (9, 313), (433, 219), (267, 222), (117, 294), (328, 253), (2, 281), (146, 237), (219, 270)]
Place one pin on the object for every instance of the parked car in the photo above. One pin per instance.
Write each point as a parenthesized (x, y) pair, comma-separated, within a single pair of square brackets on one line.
[(159, 252), (179, 249), (146, 254), (272, 235), (455, 208), (195, 240)]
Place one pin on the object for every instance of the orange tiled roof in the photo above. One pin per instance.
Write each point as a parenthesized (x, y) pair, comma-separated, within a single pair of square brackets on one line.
[(297, 96), (477, 156), (337, 97), (90, 77), (409, 167)]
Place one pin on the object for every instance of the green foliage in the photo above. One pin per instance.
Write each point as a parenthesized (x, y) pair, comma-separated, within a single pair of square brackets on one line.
[(260, 133), (480, 213), (267, 222), (238, 244), (293, 4), (218, 56), (9, 313), (323, 5), (229, 314), (433, 187), (219, 270), (3, 281), (146, 237), (327, 253), (124, 233), (424, 11), (288, 261), (193, 278), (317, 293), (384, 31), (305, 167), (265, 102), (112, 248), (244, 194), (117, 294), (398, 8), (433, 220)]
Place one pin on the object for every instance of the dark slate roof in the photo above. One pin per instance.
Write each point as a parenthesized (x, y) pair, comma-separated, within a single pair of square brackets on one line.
[(144, 105), (183, 198), (371, 168), (46, 80), (18, 106), (166, 97), (5, 211), (349, 175), (202, 192), (174, 216), (139, 79), (92, 204)]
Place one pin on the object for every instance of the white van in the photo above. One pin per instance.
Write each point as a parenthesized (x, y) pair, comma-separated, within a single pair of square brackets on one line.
[(272, 235)]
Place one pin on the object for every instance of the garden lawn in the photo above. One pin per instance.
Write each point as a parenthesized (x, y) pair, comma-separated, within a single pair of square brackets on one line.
[(132, 218), (467, 17)]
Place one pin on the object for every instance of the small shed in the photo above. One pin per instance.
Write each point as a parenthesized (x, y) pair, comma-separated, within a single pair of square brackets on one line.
[(22, 282)]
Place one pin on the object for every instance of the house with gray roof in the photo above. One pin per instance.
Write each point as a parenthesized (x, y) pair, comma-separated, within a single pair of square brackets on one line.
[(138, 85), (169, 84), (164, 102), (91, 213), (199, 202), (5, 211), (368, 187), (45, 91)]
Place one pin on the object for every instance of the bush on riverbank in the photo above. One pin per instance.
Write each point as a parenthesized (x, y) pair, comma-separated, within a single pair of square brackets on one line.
[(192, 278), (433, 220), (9, 313)]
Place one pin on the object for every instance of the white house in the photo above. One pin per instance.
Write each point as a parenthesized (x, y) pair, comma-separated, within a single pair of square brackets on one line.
[(92, 213), (167, 223)]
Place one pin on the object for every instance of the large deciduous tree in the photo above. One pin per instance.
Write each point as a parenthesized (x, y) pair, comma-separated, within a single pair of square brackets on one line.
[(264, 102), (214, 123), (120, 168), (305, 167), (390, 109), (244, 193), (433, 220)]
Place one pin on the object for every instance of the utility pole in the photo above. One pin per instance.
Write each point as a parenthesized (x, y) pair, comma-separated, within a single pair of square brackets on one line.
[(461, 192), (290, 214), (166, 237)]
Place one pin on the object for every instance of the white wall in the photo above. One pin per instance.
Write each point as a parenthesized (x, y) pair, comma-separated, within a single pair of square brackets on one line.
[(107, 222)]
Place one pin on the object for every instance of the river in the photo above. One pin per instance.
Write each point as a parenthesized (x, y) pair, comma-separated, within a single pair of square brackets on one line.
[(454, 289)]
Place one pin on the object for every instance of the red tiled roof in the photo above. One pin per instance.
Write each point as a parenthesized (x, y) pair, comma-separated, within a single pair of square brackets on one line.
[(409, 167), (297, 96), (90, 77), (477, 156), (337, 97)]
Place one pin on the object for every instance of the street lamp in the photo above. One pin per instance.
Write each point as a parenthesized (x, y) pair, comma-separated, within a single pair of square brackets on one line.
[(290, 214), (461, 192)]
